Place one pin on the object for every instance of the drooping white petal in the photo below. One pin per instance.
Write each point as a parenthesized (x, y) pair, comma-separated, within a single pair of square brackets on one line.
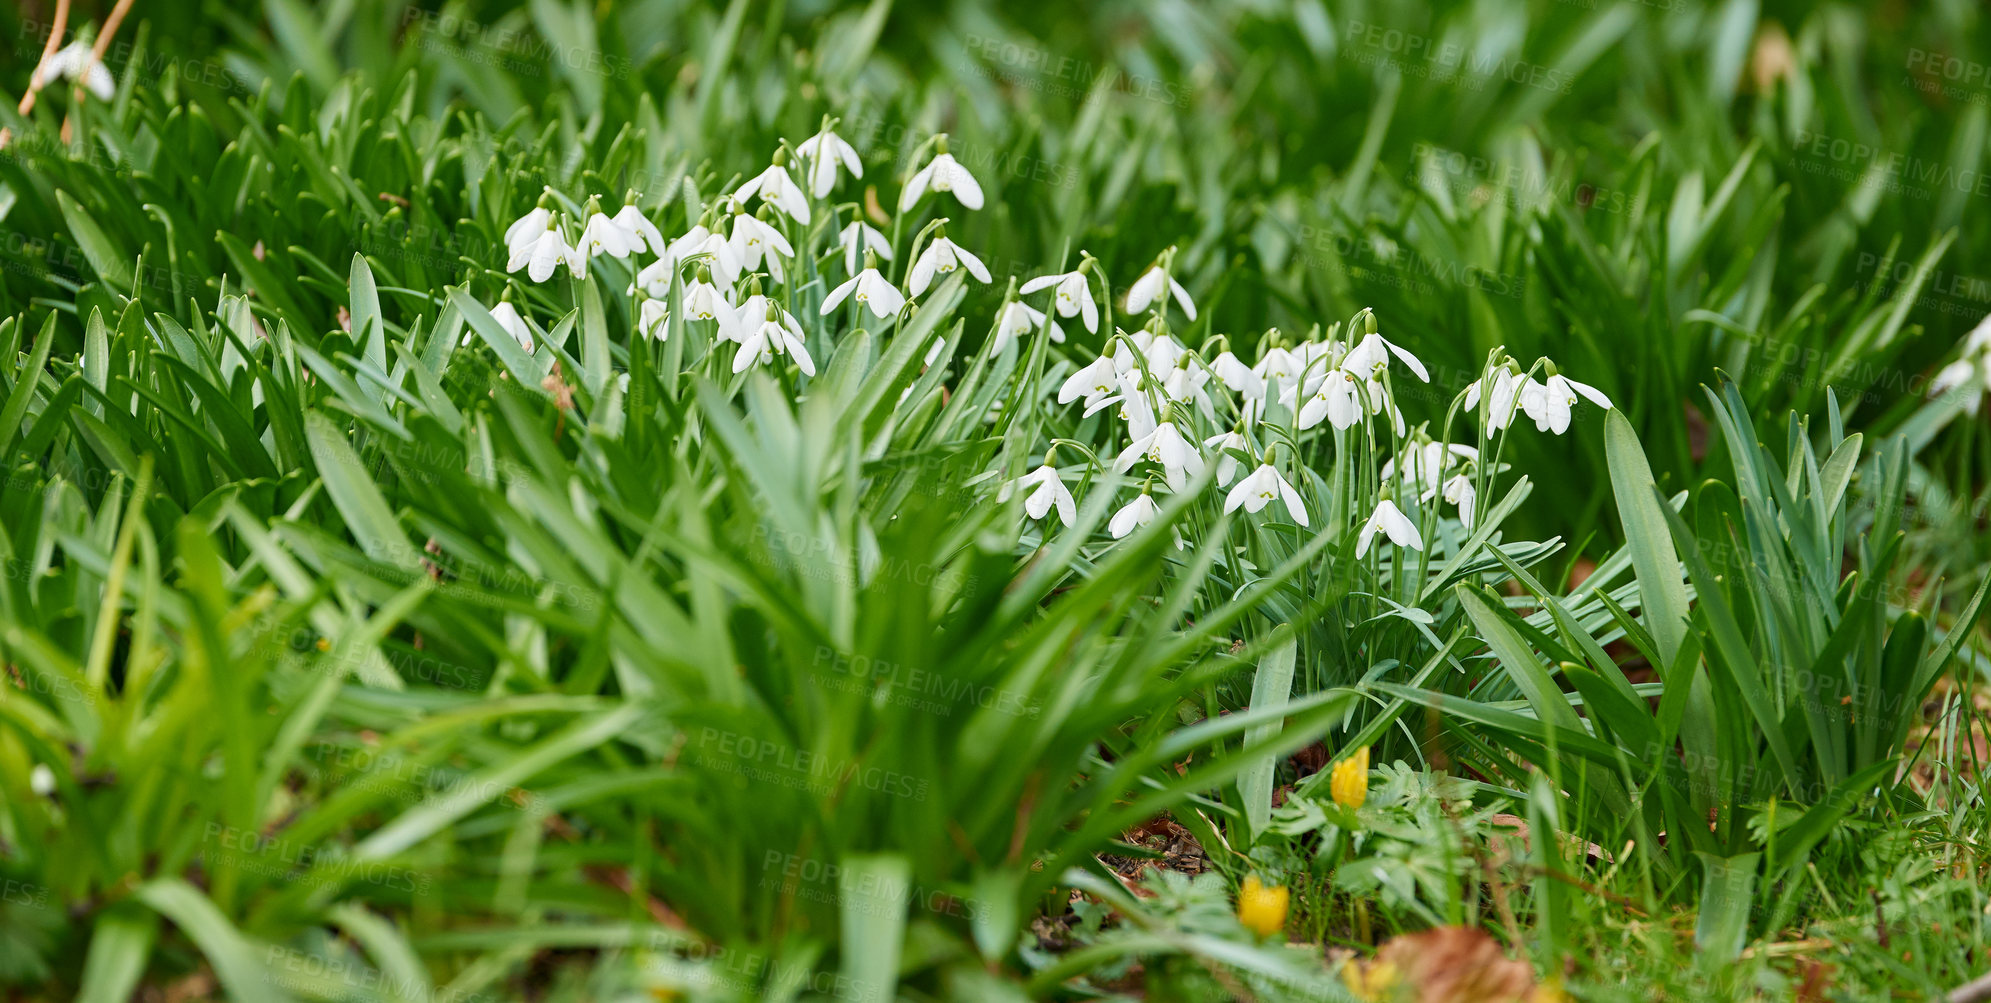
[(915, 187), (836, 296)]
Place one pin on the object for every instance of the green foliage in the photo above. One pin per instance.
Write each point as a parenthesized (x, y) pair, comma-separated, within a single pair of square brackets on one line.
[(357, 649)]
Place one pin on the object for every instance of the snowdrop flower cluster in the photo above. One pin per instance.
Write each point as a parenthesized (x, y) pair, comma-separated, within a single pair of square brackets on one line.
[(1183, 417), (1180, 416), (1421, 468), (750, 233), (1507, 389)]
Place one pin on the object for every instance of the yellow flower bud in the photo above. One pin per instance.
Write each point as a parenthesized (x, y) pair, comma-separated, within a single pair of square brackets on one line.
[(1262, 910), (1350, 782)]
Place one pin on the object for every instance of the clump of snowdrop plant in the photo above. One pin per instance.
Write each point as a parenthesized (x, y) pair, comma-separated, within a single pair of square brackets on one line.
[(1276, 430)]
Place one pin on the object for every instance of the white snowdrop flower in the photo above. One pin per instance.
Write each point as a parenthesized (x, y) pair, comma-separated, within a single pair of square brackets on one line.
[(1279, 369), (1549, 403), (872, 290), (1071, 296), (1018, 319), (942, 174), (41, 780), (726, 265), (754, 242), (1047, 491), (1978, 341), (1422, 463), (1185, 380), (77, 61), (1093, 381), (1227, 446), (1338, 399), (1177, 456), (941, 257), (508, 318), (1175, 370), (655, 278), (1238, 376), (933, 351), (1157, 351), (544, 253), (1961, 373), (858, 238), (1135, 408), (1971, 375), (604, 236), (1165, 357), (749, 314), (527, 229), (1260, 487), (821, 155), (775, 334), (1971, 371), (1149, 288), (1372, 356), (777, 188), (1310, 352), (1132, 516), (1393, 523), (637, 229), (1459, 491), (654, 319), (1502, 389), (705, 301)]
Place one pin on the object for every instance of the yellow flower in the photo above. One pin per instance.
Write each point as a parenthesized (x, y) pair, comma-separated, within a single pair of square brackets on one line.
[(1372, 982), (1350, 782), (1262, 910)]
